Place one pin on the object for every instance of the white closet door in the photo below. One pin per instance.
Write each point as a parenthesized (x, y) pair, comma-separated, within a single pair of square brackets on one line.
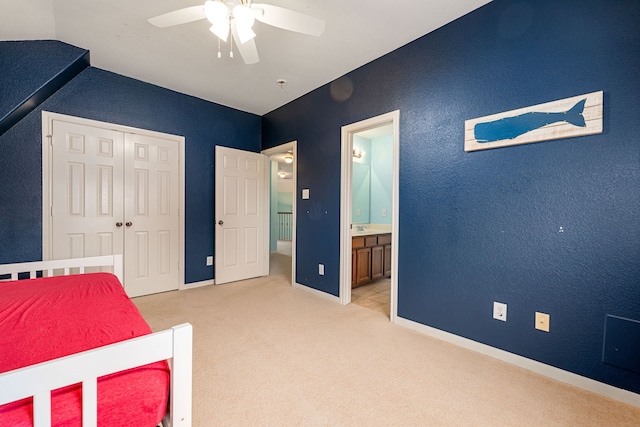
[(152, 224), (87, 208), (117, 193)]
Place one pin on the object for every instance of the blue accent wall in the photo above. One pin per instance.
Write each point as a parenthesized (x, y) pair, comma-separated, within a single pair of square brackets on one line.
[(551, 227), (100, 95)]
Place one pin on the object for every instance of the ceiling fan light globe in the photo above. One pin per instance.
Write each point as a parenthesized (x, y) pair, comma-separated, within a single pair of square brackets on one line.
[(221, 30), (216, 12), (244, 16)]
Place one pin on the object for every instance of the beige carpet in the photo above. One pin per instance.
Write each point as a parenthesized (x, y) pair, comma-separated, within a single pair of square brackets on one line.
[(266, 354)]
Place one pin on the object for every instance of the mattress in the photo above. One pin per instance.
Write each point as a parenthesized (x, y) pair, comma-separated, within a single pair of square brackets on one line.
[(43, 319)]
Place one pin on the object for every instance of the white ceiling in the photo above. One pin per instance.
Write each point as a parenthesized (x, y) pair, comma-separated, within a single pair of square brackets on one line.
[(184, 58)]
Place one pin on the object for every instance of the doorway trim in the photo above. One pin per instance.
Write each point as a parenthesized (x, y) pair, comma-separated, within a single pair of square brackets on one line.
[(392, 118), (293, 147), (47, 135)]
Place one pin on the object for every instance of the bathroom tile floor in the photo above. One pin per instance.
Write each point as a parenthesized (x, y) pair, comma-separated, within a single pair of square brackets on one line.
[(374, 295)]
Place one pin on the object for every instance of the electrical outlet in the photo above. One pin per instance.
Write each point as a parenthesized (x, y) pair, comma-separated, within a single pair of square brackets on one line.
[(209, 261), (321, 269), (500, 311), (542, 321)]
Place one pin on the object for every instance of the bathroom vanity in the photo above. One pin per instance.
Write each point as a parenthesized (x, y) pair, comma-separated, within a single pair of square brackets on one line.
[(370, 257)]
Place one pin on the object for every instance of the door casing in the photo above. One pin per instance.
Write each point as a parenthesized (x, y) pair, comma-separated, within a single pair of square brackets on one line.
[(293, 147), (348, 131), (47, 223)]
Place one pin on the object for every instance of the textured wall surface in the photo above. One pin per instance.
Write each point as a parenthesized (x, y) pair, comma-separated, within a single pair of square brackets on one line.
[(551, 227), (100, 95), (47, 58)]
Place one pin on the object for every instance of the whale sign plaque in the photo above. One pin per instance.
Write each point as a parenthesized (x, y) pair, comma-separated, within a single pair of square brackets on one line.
[(566, 118)]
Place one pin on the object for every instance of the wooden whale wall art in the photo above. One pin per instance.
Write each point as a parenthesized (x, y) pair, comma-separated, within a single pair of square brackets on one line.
[(565, 118)]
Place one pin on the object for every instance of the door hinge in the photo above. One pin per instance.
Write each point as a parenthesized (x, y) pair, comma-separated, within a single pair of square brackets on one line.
[(51, 210), (50, 140)]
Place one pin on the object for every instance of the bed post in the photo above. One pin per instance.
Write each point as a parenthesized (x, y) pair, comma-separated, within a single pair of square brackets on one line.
[(181, 376), (118, 270)]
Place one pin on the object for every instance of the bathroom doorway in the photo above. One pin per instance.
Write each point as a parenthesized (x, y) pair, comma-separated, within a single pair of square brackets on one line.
[(369, 213)]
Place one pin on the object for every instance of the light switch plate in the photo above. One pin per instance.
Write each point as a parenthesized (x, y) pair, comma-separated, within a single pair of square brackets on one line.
[(209, 260), (305, 193), (321, 269), (542, 321)]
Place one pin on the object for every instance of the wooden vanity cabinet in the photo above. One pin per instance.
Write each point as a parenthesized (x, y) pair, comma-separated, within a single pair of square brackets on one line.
[(377, 262), (387, 260), (363, 266), (370, 258)]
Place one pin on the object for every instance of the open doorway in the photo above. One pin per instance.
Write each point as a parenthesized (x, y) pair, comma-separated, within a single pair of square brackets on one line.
[(369, 213), (282, 219)]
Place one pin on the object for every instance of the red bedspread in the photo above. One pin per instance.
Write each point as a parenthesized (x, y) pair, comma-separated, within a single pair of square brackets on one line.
[(43, 319)]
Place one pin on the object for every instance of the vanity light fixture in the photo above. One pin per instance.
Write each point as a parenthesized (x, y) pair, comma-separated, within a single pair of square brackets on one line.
[(288, 158), (282, 174)]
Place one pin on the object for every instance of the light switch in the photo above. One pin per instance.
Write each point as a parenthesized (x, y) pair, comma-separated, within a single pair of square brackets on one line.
[(305, 193), (384, 212)]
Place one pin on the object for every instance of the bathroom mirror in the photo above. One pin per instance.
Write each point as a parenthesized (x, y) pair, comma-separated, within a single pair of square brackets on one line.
[(361, 192)]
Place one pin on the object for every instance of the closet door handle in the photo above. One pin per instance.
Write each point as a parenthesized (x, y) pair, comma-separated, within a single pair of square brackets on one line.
[(118, 224), (220, 222), (129, 224)]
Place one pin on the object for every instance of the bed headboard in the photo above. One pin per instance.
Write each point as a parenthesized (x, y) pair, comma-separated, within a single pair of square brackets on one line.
[(48, 267)]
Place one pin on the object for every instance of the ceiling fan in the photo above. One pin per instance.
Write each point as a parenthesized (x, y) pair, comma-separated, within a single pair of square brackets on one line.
[(237, 17)]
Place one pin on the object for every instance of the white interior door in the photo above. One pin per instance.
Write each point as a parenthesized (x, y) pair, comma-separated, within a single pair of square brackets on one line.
[(87, 208), (241, 217), (152, 223), (114, 192)]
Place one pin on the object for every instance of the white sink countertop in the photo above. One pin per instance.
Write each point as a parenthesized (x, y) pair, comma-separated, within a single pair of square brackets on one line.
[(370, 229)]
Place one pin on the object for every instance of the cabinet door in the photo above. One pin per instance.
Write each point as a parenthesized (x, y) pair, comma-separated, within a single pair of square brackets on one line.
[(377, 262), (353, 268), (363, 266), (387, 260)]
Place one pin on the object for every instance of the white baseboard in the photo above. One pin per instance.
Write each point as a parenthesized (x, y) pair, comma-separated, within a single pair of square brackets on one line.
[(197, 284), (317, 293), (529, 364)]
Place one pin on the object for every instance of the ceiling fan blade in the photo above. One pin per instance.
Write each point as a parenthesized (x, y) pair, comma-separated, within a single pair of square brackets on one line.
[(288, 19), (177, 17), (248, 49)]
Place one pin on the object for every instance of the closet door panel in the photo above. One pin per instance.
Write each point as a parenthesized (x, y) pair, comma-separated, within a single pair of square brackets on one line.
[(151, 209), (86, 191)]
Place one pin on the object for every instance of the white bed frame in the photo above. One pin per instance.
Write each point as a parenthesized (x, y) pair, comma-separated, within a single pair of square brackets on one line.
[(38, 380)]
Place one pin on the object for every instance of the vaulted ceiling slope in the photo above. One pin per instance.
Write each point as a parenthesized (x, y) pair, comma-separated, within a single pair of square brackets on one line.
[(184, 58)]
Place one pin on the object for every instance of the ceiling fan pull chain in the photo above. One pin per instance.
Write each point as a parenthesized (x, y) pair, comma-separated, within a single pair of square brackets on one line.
[(231, 47), (219, 53)]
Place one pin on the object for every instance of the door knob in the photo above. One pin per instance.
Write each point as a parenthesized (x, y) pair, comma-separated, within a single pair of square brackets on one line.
[(118, 224), (220, 222), (129, 224)]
